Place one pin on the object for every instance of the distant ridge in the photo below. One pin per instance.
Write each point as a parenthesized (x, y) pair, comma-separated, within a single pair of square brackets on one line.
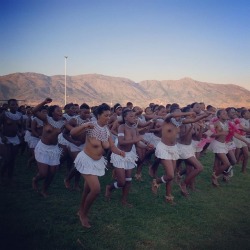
[(95, 89)]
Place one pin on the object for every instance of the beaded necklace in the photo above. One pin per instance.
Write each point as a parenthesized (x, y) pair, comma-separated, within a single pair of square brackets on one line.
[(68, 117), (80, 121), (175, 122), (38, 121), (98, 132), (55, 124), (132, 126), (12, 116)]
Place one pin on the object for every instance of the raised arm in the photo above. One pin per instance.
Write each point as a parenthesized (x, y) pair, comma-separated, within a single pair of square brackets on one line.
[(37, 108)]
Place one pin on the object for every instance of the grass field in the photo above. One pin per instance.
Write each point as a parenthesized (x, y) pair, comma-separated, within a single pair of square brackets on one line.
[(214, 218)]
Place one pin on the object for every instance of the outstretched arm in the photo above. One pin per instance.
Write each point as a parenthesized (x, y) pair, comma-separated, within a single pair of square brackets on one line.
[(81, 129)]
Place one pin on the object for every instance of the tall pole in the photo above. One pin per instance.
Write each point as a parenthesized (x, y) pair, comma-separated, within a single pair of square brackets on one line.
[(65, 81)]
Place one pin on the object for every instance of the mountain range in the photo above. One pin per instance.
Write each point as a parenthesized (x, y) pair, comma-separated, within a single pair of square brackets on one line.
[(94, 89)]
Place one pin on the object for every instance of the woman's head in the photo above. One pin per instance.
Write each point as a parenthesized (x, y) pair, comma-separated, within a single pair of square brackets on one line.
[(128, 116), (102, 113), (55, 111)]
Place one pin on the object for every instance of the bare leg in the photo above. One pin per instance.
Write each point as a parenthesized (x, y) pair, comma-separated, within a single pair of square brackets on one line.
[(245, 159), (153, 168), (197, 168), (119, 183), (93, 186), (43, 171), (225, 164), (126, 188), (49, 178), (169, 167)]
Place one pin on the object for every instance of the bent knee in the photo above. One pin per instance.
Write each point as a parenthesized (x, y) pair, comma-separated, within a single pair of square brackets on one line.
[(121, 184)]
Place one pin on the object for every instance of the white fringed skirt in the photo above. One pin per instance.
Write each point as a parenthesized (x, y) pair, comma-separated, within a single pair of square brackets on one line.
[(127, 162), (218, 147), (48, 154), (86, 165), (185, 151), (166, 152)]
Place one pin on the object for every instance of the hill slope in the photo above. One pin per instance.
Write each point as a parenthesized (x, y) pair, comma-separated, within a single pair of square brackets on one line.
[(94, 89)]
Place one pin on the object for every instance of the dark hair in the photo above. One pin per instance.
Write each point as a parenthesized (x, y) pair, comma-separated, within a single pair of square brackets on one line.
[(117, 105), (51, 109), (192, 105), (100, 109), (161, 107), (11, 100), (42, 108), (219, 112), (84, 106), (173, 107), (209, 107), (186, 109), (155, 107), (243, 112), (125, 113), (129, 103), (69, 105)]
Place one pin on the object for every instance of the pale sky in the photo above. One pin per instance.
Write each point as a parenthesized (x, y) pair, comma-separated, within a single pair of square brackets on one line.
[(207, 40)]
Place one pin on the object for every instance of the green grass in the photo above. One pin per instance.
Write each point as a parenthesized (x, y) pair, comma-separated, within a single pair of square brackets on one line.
[(214, 218)]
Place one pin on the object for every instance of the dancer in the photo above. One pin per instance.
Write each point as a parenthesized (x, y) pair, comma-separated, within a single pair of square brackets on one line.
[(11, 128), (128, 137), (90, 162), (167, 150), (47, 151)]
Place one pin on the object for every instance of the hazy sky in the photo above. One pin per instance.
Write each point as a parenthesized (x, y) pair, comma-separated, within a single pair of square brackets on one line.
[(207, 40)]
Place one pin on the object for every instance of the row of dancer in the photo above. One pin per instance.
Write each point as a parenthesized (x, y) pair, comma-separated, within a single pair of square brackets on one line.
[(131, 140)]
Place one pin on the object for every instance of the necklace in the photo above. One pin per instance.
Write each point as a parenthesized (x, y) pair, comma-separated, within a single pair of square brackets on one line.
[(12, 116), (39, 122), (175, 122), (68, 117), (98, 132), (55, 124), (80, 121), (132, 126)]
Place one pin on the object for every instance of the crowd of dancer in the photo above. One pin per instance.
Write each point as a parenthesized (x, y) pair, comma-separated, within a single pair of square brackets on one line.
[(88, 139)]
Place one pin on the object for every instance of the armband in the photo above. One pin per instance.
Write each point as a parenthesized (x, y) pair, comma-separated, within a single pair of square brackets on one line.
[(120, 134)]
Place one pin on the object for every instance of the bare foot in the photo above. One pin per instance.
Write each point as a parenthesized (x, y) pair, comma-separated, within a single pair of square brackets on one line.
[(126, 204), (214, 180), (138, 177), (184, 191), (34, 184), (154, 186), (66, 183), (108, 192), (84, 221), (170, 200)]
